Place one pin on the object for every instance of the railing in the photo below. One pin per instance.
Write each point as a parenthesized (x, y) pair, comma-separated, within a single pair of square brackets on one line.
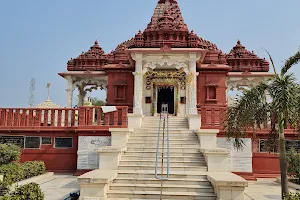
[(166, 139), (213, 118), (87, 117)]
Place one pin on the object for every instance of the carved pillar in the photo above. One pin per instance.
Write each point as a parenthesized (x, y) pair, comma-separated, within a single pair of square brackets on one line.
[(192, 85), (178, 99), (81, 95), (70, 90), (138, 84)]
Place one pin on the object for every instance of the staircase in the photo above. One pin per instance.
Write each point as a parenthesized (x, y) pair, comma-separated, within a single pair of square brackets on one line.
[(136, 173)]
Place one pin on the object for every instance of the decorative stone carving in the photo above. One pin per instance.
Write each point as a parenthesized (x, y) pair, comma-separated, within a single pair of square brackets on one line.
[(244, 81), (162, 61), (242, 60)]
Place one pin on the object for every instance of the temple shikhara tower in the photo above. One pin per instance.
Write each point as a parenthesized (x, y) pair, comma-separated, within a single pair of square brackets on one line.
[(166, 68), (167, 63)]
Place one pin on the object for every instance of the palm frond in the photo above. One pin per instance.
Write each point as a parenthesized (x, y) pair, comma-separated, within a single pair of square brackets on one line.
[(290, 62), (285, 94), (248, 112), (273, 65)]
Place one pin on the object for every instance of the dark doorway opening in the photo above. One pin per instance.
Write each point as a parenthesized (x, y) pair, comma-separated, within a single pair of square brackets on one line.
[(165, 96)]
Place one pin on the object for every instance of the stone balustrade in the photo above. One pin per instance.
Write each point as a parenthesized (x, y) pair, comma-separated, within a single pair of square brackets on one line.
[(95, 184), (76, 118), (227, 186)]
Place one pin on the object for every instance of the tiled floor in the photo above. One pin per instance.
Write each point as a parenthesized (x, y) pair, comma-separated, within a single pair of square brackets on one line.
[(58, 187)]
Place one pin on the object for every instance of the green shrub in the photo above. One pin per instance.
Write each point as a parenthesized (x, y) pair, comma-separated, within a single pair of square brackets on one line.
[(9, 153), (15, 172), (292, 196), (12, 172), (31, 191), (33, 168), (4, 188), (293, 159)]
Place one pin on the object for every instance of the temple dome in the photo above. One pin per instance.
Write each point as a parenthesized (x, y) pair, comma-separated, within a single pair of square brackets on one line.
[(47, 104)]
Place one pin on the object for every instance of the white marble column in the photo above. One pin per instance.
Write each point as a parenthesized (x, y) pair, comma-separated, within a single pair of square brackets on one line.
[(70, 90), (138, 84), (192, 85)]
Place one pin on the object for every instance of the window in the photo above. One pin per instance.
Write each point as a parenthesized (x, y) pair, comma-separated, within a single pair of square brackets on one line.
[(32, 142), (46, 140), (211, 92), (148, 100), (120, 91), (63, 143), (182, 100)]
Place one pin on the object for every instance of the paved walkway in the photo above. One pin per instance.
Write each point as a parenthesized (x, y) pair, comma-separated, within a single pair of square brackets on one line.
[(264, 189), (58, 187)]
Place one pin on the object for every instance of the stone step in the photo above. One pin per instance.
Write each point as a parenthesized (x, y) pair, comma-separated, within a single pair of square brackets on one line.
[(195, 175), (172, 150), (155, 130), (179, 139), (171, 181), (143, 130), (154, 145), (152, 167), (166, 187), (156, 195), (172, 144), (149, 125), (172, 163), (171, 135), (175, 173), (172, 158), (146, 125), (151, 138), (170, 121), (153, 153)]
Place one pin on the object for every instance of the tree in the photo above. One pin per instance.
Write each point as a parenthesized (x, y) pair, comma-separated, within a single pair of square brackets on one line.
[(97, 102), (278, 100)]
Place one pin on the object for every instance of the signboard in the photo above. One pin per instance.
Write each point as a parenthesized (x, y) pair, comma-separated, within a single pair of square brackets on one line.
[(295, 144), (32, 142), (16, 140), (87, 146), (241, 160), (46, 140)]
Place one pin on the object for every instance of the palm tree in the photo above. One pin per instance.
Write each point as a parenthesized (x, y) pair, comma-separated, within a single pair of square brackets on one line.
[(278, 100)]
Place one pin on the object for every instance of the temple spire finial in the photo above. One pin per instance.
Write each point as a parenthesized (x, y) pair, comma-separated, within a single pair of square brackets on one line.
[(48, 87)]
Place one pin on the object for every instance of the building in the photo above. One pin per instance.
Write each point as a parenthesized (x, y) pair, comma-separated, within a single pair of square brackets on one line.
[(167, 64)]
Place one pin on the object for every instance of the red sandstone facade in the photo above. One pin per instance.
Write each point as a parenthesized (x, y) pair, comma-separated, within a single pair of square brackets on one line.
[(166, 33)]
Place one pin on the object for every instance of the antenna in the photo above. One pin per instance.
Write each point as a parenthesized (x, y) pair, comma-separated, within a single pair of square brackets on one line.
[(31, 94)]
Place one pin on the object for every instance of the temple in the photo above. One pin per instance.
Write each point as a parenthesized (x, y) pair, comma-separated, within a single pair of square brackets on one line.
[(165, 68), (166, 63)]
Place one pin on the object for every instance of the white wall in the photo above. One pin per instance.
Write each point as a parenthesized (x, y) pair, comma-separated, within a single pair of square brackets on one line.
[(241, 161)]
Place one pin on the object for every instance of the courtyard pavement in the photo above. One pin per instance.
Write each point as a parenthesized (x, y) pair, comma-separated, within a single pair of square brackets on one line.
[(59, 186), (264, 189)]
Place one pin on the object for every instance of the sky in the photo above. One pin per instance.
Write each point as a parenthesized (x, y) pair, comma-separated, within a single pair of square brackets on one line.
[(38, 37)]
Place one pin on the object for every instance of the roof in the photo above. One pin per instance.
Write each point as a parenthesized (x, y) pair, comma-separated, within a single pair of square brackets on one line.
[(166, 28), (47, 104)]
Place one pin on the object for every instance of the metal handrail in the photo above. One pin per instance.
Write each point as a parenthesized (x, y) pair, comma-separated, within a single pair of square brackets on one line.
[(167, 139)]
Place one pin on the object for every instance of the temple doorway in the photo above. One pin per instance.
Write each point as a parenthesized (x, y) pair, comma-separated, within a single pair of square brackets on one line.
[(165, 96)]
